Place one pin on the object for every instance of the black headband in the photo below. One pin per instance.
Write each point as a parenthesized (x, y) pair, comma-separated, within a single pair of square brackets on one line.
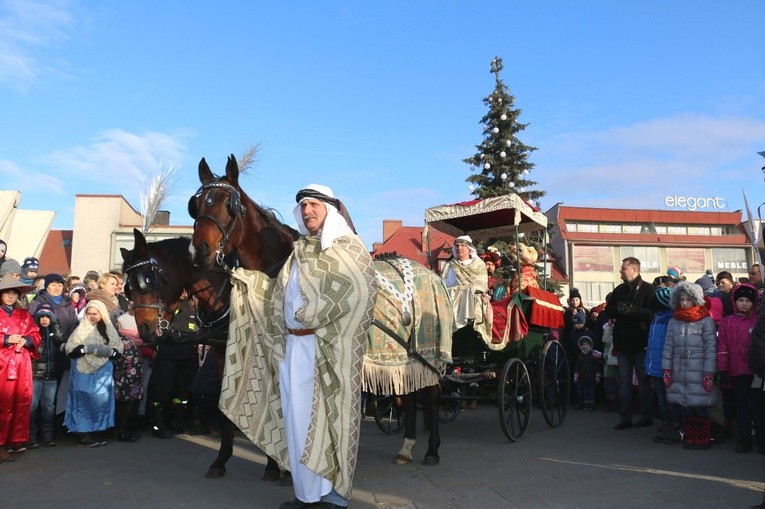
[(317, 195)]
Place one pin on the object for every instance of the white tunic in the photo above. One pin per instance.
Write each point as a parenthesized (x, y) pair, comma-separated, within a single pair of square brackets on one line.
[(296, 378)]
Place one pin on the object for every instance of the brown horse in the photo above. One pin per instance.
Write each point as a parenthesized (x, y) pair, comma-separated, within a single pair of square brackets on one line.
[(156, 274), (228, 222)]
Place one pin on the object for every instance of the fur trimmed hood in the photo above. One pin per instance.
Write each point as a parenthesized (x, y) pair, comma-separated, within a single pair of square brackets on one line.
[(685, 289)]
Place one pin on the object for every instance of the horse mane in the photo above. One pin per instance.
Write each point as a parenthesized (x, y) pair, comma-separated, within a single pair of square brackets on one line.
[(269, 216), (179, 244)]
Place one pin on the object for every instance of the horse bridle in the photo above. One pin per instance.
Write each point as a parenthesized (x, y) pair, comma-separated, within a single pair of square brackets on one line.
[(153, 285), (235, 210), (158, 275)]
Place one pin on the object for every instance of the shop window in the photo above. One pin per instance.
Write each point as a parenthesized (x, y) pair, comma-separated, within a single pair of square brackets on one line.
[(610, 228), (648, 256)]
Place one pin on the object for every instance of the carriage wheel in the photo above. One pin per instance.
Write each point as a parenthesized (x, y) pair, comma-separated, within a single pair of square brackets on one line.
[(451, 403), (389, 414), (514, 398), (554, 383)]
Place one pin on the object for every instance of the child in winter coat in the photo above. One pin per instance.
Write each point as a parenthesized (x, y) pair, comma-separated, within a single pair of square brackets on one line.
[(586, 374), (690, 362), (46, 370), (670, 430), (733, 340)]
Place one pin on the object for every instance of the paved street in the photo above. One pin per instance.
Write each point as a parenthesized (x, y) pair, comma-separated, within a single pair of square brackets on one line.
[(585, 463)]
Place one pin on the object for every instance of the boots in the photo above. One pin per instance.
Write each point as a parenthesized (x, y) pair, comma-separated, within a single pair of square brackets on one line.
[(689, 432), (673, 434), (178, 415), (159, 427), (125, 434), (744, 439), (759, 445), (87, 440), (703, 433)]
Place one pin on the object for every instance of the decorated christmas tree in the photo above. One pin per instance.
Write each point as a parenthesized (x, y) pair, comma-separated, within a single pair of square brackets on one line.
[(500, 165)]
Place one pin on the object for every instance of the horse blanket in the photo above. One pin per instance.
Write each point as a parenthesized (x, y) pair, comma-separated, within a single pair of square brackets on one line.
[(404, 286)]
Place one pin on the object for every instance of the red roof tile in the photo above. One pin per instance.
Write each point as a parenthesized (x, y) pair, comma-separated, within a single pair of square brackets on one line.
[(56, 255), (407, 242)]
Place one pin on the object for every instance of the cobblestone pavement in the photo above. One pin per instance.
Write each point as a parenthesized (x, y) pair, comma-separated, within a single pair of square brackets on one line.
[(584, 463)]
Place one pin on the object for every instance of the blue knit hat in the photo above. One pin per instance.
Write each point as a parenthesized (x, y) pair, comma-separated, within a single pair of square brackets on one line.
[(662, 296), (45, 310)]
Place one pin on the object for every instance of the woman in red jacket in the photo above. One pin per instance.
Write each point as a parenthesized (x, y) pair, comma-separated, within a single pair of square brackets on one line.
[(21, 338)]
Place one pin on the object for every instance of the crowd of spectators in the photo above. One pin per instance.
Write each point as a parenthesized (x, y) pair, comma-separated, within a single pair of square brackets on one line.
[(681, 347), (73, 364)]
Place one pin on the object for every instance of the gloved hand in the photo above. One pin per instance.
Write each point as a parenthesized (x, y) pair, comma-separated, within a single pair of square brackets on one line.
[(90, 348), (622, 308), (576, 377), (103, 351), (667, 378), (708, 382)]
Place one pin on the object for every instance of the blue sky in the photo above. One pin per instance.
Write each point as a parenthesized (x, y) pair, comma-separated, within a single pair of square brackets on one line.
[(627, 102)]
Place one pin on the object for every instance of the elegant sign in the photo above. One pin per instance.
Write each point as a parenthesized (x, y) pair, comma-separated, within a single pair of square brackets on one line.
[(693, 203)]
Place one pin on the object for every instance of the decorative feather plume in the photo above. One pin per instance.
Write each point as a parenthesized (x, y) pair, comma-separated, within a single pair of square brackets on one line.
[(156, 189), (249, 158)]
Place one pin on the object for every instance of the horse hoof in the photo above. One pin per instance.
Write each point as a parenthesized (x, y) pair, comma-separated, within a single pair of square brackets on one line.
[(215, 473), (402, 460), (285, 479), (430, 461), (271, 475)]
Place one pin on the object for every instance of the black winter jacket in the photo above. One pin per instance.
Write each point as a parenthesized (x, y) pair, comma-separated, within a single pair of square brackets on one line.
[(630, 305), (65, 313), (49, 365)]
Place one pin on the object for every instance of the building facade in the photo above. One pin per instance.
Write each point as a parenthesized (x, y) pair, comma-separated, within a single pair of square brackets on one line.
[(591, 243), (104, 223)]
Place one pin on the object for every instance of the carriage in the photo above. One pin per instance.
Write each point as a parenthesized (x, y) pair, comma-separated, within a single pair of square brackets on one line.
[(523, 364)]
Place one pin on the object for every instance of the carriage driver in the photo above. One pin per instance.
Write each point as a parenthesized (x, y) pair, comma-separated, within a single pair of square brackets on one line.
[(328, 284), (467, 280)]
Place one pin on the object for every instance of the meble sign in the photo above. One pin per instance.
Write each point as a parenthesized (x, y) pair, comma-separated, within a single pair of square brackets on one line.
[(692, 203)]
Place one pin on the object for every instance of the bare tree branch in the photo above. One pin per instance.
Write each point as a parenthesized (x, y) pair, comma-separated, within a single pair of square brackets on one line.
[(157, 188)]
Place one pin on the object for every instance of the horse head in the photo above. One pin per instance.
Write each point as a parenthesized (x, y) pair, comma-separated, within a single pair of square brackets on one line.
[(218, 210), (153, 281), (228, 223)]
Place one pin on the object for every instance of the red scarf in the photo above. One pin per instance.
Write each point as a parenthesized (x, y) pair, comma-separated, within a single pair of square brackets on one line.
[(693, 314)]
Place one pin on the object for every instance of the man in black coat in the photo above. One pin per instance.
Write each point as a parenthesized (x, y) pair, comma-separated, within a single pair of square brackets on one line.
[(630, 307)]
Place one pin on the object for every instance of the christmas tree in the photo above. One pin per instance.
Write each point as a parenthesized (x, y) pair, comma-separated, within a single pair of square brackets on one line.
[(501, 164)]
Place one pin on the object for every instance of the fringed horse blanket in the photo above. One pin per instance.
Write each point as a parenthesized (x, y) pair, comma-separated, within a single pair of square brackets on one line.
[(413, 302)]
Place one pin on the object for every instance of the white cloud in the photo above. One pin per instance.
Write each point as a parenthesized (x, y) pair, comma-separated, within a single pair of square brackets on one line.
[(15, 177), (119, 158), (636, 166), (26, 28)]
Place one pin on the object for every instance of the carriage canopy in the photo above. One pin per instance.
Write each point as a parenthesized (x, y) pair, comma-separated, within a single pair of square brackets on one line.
[(498, 216)]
